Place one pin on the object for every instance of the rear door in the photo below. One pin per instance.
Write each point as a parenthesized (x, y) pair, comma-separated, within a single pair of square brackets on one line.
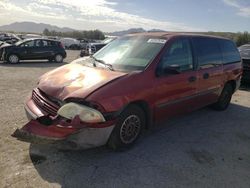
[(210, 69), (40, 50), (47, 49), (176, 83)]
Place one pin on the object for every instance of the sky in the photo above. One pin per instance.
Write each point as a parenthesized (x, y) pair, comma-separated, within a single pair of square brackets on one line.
[(111, 15)]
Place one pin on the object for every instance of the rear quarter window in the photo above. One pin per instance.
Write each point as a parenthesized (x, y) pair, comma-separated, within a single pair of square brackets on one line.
[(230, 52), (207, 51)]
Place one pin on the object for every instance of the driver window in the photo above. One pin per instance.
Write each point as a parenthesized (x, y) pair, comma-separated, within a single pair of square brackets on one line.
[(179, 55)]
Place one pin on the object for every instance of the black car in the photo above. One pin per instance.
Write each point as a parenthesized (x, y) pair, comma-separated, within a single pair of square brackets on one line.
[(33, 49), (245, 55)]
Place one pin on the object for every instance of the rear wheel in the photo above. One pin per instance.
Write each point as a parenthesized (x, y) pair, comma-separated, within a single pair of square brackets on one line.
[(128, 128), (13, 59), (224, 99), (58, 58)]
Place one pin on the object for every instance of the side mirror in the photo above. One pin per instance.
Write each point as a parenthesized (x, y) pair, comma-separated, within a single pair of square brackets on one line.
[(172, 69)]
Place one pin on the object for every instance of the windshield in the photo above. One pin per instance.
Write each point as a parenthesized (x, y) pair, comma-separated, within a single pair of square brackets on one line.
[(130, 52), (20, 42)]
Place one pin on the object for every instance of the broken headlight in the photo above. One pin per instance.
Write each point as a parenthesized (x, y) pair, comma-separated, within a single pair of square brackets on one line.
[(86, 114)]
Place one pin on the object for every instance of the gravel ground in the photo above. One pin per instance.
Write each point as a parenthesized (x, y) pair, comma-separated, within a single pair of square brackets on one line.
[(202, 149)]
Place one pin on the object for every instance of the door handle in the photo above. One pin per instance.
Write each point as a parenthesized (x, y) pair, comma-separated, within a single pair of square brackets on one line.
[(205, 76), (192, 79)]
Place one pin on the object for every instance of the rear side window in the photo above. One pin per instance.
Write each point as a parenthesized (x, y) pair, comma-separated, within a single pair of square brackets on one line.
[(208, 52), (230, 52)]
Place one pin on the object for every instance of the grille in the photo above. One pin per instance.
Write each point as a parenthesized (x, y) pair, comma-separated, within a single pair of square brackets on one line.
[(44, 103)]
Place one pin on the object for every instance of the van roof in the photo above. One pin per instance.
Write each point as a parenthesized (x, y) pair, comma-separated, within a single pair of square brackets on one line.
[(173, 34)]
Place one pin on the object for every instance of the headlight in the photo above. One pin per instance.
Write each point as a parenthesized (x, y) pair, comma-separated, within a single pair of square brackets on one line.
[(86, 114)]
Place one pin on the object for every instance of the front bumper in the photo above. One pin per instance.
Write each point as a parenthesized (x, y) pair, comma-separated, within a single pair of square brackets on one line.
[(58, 130), (35, 132)]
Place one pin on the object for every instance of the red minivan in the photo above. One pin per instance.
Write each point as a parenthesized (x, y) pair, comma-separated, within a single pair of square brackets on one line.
[(134, 81)]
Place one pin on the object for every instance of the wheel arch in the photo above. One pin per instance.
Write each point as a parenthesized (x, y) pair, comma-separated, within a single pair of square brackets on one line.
[(146, 109), (232, 83)]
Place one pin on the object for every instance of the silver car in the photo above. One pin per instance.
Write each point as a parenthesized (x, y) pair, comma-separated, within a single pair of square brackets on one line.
[(245, 55)]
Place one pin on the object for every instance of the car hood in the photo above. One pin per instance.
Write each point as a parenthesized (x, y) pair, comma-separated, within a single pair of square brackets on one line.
[(75, 81), (4, 45), (245, 54)]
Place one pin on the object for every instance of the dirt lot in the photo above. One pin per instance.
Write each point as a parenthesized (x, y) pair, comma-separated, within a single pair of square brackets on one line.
[(201, 149)]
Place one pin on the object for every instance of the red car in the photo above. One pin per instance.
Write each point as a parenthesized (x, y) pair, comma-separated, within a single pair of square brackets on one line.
[(136, 80)]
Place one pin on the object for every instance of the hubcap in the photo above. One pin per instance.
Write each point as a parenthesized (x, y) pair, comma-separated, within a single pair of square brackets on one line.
[(59, 58), (130, 129), (13, 59)]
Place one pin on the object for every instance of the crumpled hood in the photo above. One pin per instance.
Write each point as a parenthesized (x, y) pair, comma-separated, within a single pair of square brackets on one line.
[(75, 80)]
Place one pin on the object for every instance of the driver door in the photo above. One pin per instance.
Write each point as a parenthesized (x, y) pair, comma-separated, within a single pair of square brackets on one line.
[(26, 50), (176, 81)]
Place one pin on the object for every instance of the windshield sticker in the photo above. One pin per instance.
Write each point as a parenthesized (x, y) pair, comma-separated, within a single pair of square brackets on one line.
[(159, 41)]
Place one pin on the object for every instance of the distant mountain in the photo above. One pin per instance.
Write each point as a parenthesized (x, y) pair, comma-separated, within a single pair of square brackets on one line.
[(133, 30), (32, 27), (125, 32), (156, 30)]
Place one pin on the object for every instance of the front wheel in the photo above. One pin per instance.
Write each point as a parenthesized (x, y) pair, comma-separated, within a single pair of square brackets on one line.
[(224, 99), (13, 59), (128, 128)]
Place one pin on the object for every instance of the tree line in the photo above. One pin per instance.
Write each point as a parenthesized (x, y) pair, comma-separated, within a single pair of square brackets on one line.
[(243, 38), (91, 34), (239, 38)]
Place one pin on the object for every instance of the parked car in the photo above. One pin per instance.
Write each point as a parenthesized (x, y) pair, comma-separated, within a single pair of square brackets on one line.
[(31, 36), (245, 55), (69, 42), (30, 49), (2, 43), (9, 38), (129, 85), (94, 47)]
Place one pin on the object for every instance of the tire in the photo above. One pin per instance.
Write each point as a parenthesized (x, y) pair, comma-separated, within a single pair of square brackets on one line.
[(13, 59), (224, 99), (128, 128), (58, 58)]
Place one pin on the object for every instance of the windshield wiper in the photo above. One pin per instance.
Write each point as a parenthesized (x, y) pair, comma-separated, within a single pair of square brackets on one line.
[(102, 62)]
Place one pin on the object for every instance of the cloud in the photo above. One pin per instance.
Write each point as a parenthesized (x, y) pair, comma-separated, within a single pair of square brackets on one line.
[(233, 3), (86, 14), (242, 6)]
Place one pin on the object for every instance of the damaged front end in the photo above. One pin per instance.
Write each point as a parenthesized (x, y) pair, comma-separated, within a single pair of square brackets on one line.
[(53, 121)]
